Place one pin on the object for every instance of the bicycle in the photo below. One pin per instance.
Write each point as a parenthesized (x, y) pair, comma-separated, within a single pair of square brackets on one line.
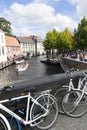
[(42, 113), (4, 124), (59, 94), (76, 103)]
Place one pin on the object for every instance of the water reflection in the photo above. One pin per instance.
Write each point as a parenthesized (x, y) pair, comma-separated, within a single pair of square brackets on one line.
[(52, 69), (34, 70), (8, 75)]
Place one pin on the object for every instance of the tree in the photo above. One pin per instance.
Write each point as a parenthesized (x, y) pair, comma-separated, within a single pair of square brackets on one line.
[(46, 42), (58, 40), (68, 39), (64, 40), (80, 35), (5, 26), (50, 41)]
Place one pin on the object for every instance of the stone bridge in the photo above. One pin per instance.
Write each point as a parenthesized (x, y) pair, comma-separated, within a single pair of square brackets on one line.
[(47, 82)]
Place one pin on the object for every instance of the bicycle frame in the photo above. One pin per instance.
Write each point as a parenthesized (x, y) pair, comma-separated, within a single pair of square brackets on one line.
[(80, 84), (71, 86), (27, 121)]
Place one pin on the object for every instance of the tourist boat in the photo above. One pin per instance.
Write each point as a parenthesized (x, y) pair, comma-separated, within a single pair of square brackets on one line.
[(51, 61), (22, 67), (19, 61), (68, 63)]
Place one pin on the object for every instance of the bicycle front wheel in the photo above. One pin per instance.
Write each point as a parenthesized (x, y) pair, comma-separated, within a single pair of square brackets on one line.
[(74, 103), (45, 112), (4, 124), (59, 94)]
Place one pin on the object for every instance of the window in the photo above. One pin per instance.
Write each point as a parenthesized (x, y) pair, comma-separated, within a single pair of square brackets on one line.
[(1, 38), (3, 52), (8, 49), (0, 50)]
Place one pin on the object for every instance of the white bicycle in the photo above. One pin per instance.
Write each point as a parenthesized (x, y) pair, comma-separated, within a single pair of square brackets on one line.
[(74, 102), (59, 94), (40, 111)]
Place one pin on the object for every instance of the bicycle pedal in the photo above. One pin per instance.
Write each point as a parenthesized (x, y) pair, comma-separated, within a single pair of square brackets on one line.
[(21, 111)]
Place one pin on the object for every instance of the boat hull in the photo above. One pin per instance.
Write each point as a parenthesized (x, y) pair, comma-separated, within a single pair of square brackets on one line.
[(22, 68)]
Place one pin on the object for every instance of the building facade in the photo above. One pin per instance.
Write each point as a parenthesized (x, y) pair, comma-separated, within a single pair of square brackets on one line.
[(12, 47), (26, 46), (38, 45), (3, 54), (31, 45)]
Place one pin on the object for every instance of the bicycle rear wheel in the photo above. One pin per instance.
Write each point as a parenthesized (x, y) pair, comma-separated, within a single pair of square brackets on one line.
[(72, 104), (59, 94), (44, 120), (4, 124)]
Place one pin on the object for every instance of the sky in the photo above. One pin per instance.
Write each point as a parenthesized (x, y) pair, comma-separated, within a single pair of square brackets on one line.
[(37, 17)]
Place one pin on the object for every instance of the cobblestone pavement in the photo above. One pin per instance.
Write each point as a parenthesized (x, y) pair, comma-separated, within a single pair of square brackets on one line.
[(66, 123)]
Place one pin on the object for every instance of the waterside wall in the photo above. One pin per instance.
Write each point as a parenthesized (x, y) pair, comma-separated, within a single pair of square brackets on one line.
[(68, 63), (48, 82)]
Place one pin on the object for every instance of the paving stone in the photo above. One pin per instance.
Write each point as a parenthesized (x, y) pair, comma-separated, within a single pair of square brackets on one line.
[(66, 123)]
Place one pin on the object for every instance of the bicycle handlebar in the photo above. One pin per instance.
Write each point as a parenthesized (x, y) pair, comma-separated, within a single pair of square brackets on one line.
[(85, 74), (71, 70)]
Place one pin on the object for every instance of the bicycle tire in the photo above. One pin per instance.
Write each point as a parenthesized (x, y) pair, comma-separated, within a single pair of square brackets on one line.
[(59, 94), (4, 124), (73, 106), (49, 119)]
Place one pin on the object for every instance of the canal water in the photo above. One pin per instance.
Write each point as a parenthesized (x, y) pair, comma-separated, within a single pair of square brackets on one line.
[(35, 69)]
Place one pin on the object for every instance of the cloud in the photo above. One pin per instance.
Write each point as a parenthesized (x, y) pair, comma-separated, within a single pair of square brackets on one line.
[(81, 7), (36, 18), (45, 1), (32, 13)]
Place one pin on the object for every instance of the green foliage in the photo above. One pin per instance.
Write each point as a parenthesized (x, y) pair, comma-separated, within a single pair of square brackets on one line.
[(80, 35), (58, 40), (50, 40), (65, 40), (5, 26)]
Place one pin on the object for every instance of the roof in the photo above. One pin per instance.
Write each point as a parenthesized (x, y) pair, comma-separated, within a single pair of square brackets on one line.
[(11, 41), (33, 36), (25, 40), (36, 38)]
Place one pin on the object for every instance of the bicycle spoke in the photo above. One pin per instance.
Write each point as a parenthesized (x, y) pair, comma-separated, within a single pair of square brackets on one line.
[(59, 96), (75, 107), (47, 117)]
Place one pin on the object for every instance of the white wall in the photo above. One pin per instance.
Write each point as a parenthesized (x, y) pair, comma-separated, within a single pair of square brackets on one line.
[(3, 55), (40, 48)]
